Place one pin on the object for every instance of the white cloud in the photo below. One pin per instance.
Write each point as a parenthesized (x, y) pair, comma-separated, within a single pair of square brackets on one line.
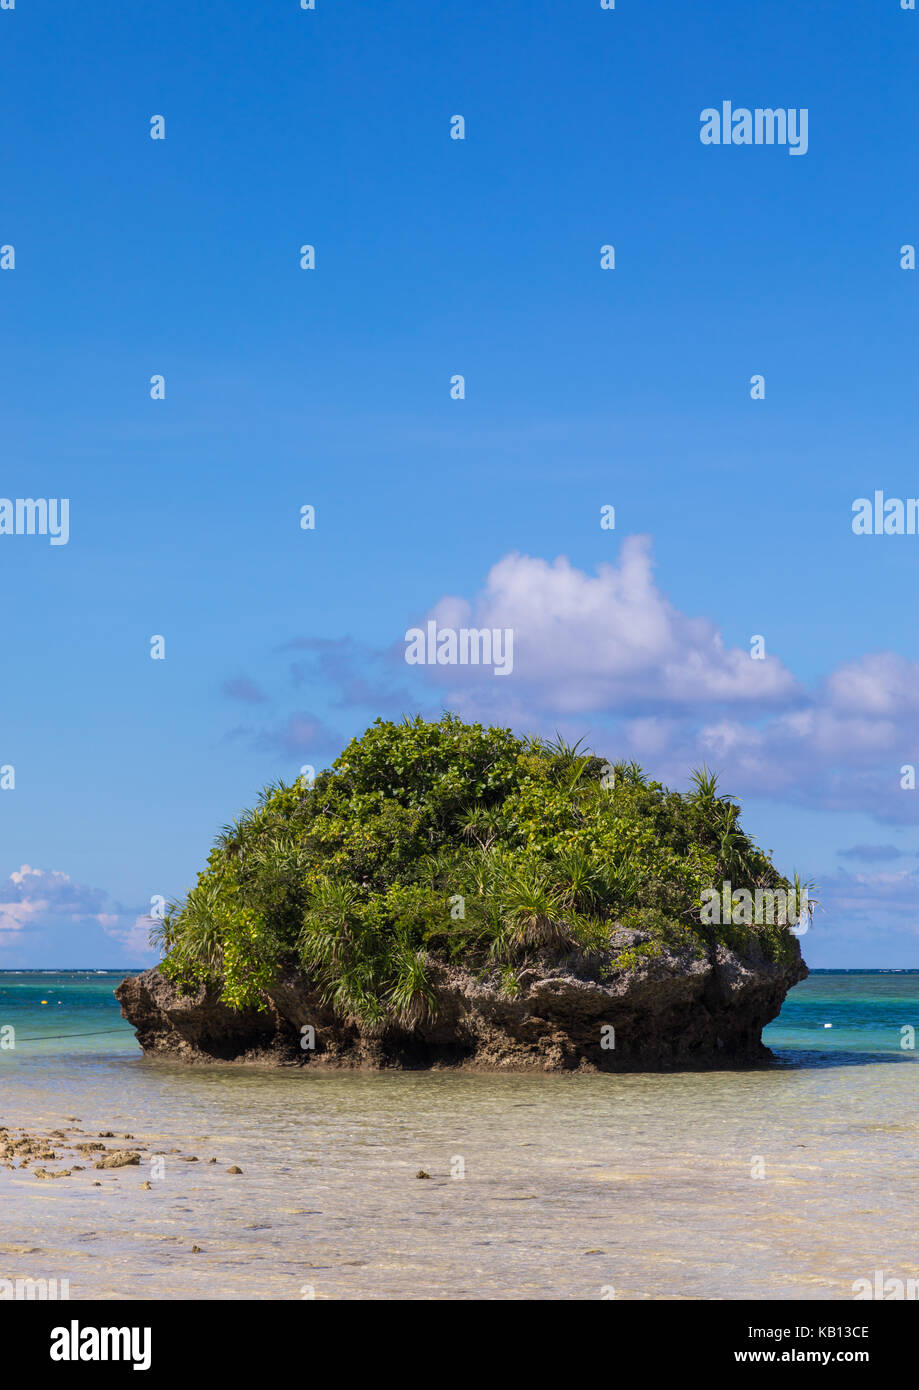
[(30, 894), (594, 642), (611, 650), (135, 937), (37, 898)]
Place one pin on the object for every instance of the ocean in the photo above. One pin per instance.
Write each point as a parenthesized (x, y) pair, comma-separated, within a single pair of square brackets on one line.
[(788, 1181)]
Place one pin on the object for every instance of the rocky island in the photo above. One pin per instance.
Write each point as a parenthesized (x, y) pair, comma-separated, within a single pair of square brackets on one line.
[(447, 895)]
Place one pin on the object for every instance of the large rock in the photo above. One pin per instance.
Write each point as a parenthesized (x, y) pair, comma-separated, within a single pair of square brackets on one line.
[(670, 1010)]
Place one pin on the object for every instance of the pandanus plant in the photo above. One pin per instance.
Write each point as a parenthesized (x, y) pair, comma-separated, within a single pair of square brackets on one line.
[(534, 908)]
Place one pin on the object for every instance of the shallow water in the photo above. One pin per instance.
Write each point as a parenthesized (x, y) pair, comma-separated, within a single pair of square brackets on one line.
[(571, 1185)]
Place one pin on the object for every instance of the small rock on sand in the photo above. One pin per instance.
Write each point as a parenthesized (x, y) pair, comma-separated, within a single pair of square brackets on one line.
[(119, 1159)]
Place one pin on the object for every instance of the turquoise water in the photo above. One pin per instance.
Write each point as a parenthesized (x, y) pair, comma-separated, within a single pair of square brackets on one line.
[(866, 1010), (71, 1010), (792, 1180)]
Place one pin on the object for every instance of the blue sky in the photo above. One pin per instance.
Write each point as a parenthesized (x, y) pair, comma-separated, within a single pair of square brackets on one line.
[(330, 387)]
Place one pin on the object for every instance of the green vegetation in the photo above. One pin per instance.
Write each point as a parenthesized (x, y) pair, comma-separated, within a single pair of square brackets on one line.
[(469, 844)]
